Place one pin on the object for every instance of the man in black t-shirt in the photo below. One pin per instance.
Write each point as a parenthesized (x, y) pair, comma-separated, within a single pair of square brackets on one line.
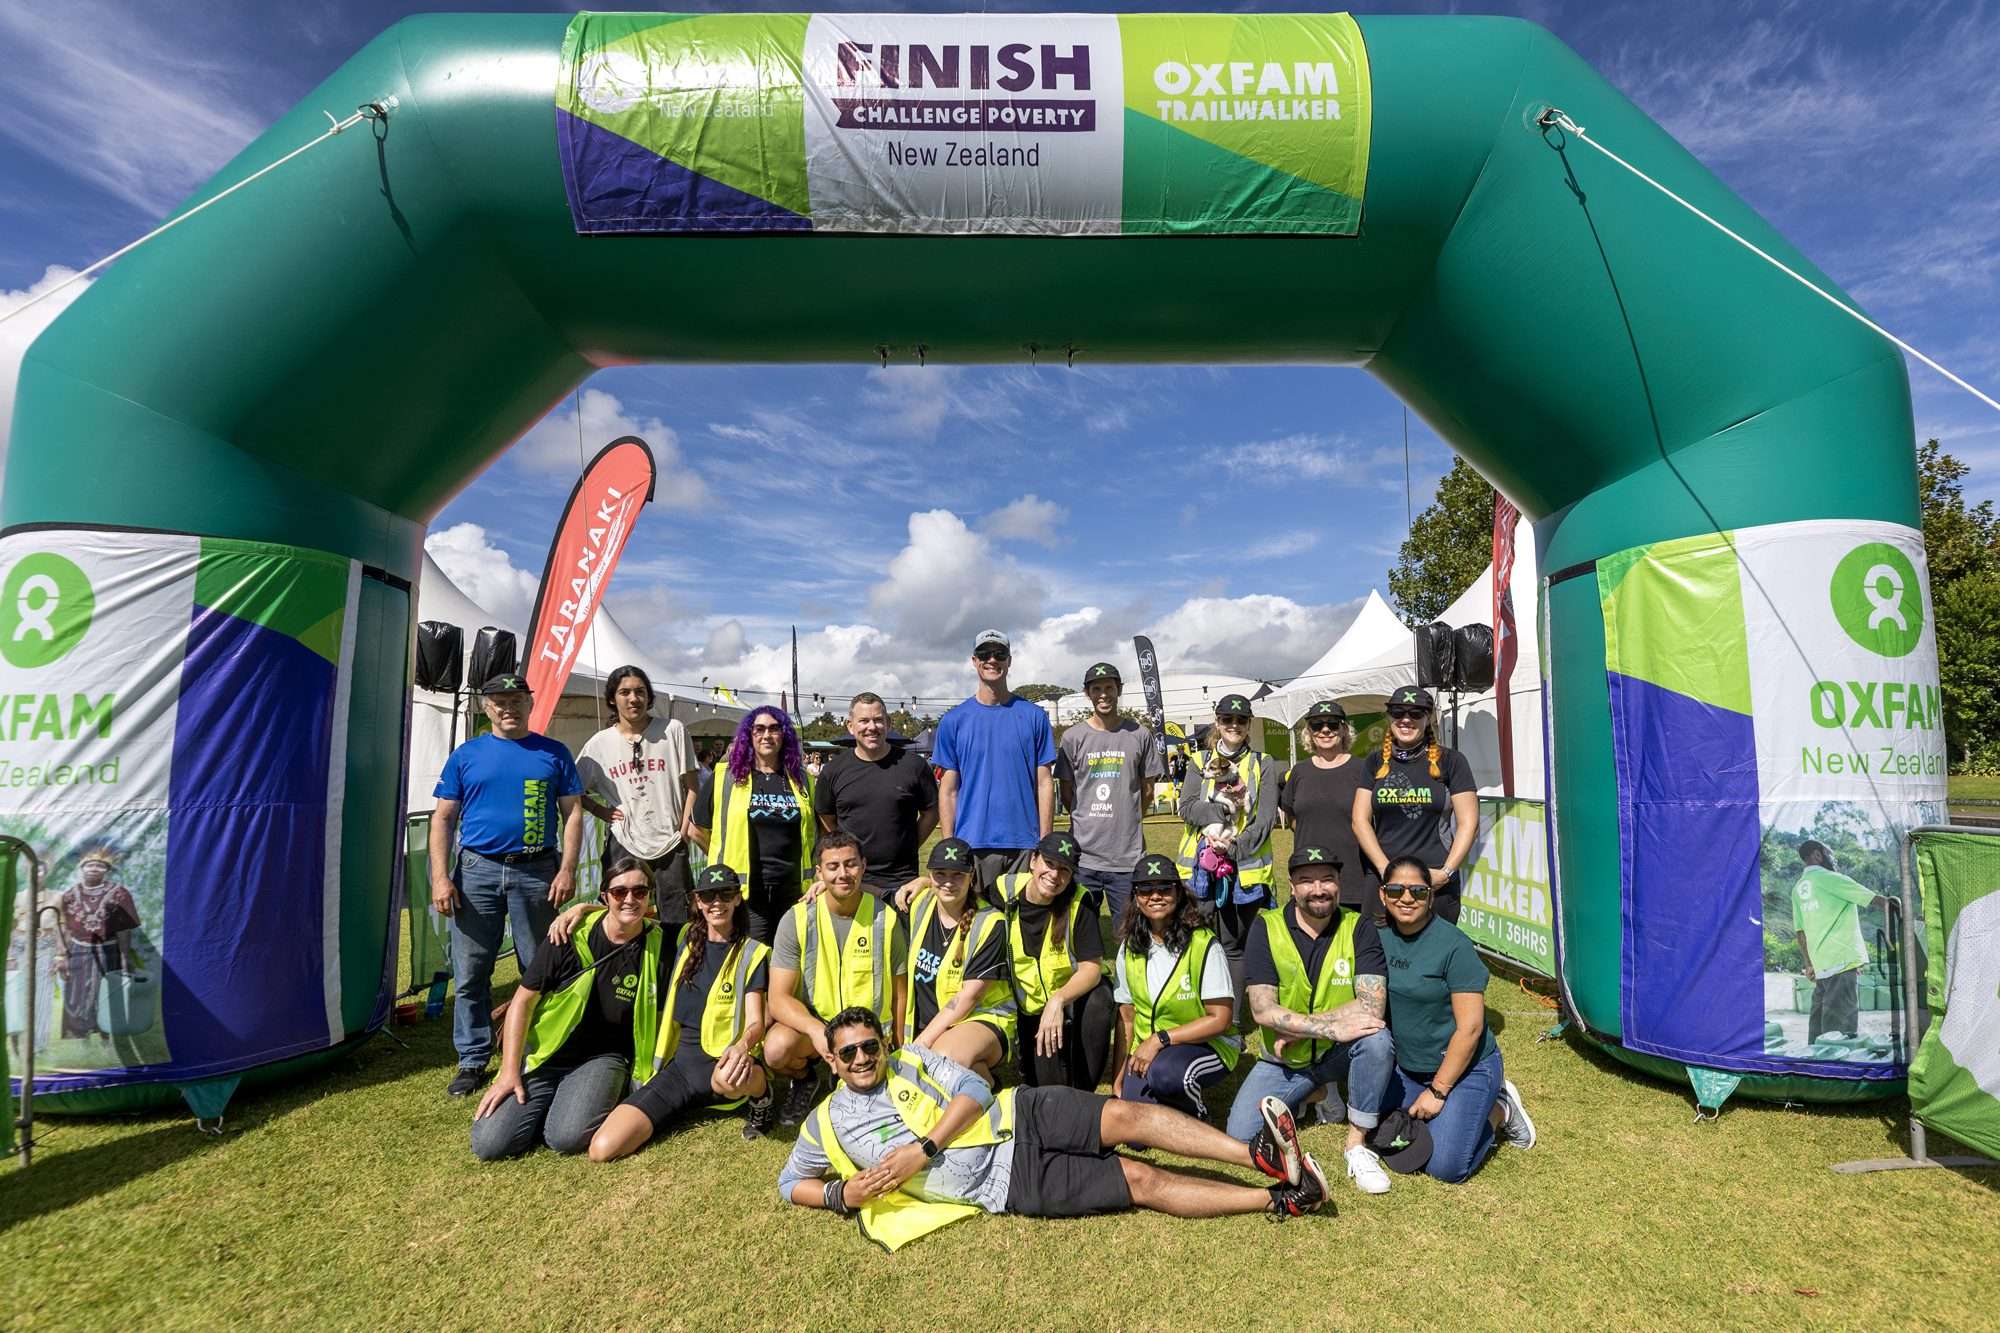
[(885, 795), (1318, 797)]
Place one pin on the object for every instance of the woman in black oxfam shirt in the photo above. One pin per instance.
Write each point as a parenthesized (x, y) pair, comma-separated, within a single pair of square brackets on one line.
[(1416, 786)]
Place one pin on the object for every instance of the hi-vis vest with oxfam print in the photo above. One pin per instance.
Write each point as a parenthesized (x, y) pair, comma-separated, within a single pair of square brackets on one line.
[(1253, 867), (1041, 974), (722, 1008), (1333, 987), (895, 1219), (729, 834), (559, 1011), (994, 1009), (1179, 1000), (860, 973)]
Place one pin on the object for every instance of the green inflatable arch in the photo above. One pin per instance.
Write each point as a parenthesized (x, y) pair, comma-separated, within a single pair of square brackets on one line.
[(291, 385)]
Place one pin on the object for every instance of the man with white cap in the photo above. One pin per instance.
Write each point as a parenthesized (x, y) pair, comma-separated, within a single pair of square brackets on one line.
[(997, 755)]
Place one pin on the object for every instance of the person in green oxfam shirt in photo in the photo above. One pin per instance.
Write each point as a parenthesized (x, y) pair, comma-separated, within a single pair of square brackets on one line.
[(1826, 917)]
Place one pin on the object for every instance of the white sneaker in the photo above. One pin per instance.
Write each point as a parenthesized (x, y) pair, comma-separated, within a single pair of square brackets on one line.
[(1517, 1128), (1364, 1168)]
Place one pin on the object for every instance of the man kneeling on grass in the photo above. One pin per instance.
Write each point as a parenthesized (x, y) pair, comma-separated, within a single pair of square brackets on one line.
[(910, 1141)]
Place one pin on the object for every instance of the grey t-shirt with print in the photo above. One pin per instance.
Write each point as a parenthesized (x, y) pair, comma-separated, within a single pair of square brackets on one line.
[(1109, 770)]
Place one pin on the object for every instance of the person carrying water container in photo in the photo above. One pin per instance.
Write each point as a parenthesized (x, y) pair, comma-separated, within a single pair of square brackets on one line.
[(1826, 918), (1229, 804), (1418, 798)]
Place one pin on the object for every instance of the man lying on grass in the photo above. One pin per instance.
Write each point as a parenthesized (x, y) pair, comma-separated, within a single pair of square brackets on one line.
[(910, 1141)]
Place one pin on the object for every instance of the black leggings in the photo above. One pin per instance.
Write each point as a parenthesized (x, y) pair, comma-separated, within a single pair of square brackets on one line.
[(683, 1085), (1086, 1047)]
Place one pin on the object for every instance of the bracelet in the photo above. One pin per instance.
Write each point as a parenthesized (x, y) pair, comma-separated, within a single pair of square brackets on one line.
[(835, 1198)]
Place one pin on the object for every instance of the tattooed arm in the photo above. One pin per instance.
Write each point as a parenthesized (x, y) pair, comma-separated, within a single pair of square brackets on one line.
[(1350, 1022)]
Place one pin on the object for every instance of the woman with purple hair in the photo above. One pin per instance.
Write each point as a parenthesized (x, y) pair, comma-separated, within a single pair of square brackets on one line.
[(753, 814)]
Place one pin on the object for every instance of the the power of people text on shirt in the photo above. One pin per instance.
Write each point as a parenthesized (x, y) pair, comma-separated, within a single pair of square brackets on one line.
[(1109, 770)]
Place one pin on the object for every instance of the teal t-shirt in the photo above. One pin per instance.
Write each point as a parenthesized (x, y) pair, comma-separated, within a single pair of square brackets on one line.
[(1826, 909), (1425, 971)]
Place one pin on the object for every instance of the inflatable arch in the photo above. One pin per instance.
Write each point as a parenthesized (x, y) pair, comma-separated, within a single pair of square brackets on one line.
[(226, 452)]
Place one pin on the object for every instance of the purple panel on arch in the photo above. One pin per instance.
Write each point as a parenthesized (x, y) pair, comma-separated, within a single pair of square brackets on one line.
[(616, 185)]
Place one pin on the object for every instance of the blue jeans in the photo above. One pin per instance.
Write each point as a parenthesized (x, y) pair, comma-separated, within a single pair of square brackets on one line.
[(489, 893), (1109, 886), (1462, 1133), (1366, 1063), (564, 1110)]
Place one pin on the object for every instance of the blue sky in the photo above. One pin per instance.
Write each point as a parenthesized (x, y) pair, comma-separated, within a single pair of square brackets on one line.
[(1073, 507)]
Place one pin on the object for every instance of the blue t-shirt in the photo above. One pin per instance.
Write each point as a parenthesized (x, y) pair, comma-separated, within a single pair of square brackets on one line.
[(996, 749), (507, 791)]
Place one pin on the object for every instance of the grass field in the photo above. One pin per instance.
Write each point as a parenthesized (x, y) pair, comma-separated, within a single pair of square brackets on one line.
[(351, 1199), (1974, 787)]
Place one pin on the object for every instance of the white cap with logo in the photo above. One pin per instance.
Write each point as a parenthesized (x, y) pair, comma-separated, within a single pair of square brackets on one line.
[(991, 638)]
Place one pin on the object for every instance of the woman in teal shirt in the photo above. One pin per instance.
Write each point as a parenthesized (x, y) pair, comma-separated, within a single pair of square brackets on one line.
[(1446, 1059)]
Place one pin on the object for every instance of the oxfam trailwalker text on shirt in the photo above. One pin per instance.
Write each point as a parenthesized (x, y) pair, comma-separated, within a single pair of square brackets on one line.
[(1035, 124)]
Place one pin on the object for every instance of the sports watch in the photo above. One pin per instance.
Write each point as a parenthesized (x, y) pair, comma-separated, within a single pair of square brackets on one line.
[(1166, 1038), (931, 1150)]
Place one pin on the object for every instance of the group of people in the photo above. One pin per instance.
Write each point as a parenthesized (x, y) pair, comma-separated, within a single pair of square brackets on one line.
[(968, 1009)]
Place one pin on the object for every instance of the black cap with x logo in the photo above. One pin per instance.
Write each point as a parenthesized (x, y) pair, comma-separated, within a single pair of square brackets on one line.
[(951, 854), (1059, 849), (1154, 868)]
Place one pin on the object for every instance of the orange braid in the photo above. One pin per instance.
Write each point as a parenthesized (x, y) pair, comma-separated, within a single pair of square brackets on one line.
[(1388, 747), (1433, 752), (960, 932)]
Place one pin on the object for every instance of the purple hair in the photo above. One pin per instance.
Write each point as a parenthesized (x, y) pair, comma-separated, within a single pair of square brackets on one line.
[(791, 759)]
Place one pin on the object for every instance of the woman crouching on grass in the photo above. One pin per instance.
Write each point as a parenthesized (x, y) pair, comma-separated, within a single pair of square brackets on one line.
[(1174, 998), (960, 1002), (1446, 1058)]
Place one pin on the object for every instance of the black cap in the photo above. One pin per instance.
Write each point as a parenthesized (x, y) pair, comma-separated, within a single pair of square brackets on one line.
[(1303, 856), (951, 854), (1156, 868), (507, 682), (716, 878), (1102, 671), (1059, 849), (1411, 696), (1232, 704), (1402, 1141), (1326, 708)]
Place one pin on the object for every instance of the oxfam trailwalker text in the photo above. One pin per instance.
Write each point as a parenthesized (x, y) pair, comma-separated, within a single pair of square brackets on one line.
[(1016, 124)]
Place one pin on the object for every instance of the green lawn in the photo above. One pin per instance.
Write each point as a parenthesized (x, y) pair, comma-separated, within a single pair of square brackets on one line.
[(351, 1199), (1974, 787)]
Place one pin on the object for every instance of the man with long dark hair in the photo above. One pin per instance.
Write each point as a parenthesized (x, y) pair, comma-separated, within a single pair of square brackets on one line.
[(637, 775)]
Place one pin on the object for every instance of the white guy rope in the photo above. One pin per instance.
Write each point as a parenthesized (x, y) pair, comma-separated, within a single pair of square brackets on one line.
[(1560, 120), (366, 111)]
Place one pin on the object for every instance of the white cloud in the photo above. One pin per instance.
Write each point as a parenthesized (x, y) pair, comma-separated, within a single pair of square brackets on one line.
[(552, 445), (949, 582), (916, 402), (16, 334), (1028, 519), (484, 572), (1301, 457), (1281, 545)]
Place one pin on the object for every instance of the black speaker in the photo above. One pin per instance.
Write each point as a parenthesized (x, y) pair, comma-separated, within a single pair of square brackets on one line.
[(1434, 655), (440, 656), (493, 654), (1472, 658)]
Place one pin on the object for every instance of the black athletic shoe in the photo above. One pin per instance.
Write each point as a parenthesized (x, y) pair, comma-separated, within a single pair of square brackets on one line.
[(466, 1081), (800, 1099), (1275, 1149), (1308, 1196), (759, 1114)]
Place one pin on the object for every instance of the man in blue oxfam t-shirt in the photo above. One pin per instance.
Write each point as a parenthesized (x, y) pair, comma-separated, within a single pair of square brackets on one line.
[(997, 790), (502, 795)]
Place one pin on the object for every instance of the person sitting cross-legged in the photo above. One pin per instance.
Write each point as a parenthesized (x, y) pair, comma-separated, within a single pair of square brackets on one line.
[(961, 996), (910, 1141), (1171, 982)]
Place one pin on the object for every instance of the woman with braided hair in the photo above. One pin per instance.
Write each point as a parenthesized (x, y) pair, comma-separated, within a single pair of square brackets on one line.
[(960, 1002), (1419, 800)]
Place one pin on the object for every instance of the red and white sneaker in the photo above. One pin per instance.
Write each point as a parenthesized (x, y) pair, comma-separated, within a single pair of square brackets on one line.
[(1275, 1149)]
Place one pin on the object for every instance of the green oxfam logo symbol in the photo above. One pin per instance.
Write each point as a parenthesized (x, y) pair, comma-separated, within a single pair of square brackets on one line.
[(1877, 599), (45, 609)]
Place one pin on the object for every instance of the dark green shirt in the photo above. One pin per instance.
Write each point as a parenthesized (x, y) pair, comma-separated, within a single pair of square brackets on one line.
[(1425, 971)]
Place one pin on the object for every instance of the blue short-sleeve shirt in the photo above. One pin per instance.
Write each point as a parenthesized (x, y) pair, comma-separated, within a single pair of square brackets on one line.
[(507, 791), (996, 749)]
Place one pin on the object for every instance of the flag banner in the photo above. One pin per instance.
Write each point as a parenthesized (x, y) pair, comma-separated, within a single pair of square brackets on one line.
[(1506, 640), (591, 535), (1507, 909), (1149, 678), (1023, 124), (1955, 1078), (1776, 730), (172, 745)]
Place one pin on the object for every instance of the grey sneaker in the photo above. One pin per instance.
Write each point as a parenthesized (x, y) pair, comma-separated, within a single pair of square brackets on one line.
[(759, 1114), (466, 1081), (1517, 1129), (800, 1099)]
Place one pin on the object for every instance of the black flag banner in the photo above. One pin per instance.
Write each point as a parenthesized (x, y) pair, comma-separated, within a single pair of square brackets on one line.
[(1149, 676)]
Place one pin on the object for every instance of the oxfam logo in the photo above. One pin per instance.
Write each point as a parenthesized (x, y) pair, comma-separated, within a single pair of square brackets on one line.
[(45, 609), (1877, 599)]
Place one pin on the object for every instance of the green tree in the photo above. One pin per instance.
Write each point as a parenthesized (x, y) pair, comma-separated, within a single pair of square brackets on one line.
[(1960, 539), (1968, 640), (1449, 545), (1042, 693)]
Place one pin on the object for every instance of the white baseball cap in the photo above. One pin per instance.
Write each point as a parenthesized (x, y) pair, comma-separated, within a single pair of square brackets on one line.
[(989, 638)]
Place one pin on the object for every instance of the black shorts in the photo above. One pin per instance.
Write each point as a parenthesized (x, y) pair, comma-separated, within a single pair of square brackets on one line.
[(1061, 1166), (683, 1085)]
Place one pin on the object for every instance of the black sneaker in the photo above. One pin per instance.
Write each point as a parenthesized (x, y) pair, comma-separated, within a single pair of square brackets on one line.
[(1275, 1149), (466, 1081), (759, 1114), (1308, 1196), (800, 1099)]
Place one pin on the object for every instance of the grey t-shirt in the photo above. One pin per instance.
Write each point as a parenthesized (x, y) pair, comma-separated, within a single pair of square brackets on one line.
[(786, 949), (1110, 770), (869, 1129)]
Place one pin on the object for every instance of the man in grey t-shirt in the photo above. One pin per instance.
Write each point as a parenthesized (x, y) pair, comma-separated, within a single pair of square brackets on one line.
[(1106, 766)]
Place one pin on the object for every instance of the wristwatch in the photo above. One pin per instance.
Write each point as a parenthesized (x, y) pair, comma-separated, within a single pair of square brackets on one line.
[(1437, 1092), (931, 1150), (1166, 1038)]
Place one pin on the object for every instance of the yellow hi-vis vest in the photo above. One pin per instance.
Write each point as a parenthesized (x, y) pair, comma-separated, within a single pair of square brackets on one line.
[(1333, 987), (997, 1013), (1253, 867), (559, 1011), (1041, 974), (729, 833), (859, 973), (722, 1007), (1179, 1000), (895, 1219)]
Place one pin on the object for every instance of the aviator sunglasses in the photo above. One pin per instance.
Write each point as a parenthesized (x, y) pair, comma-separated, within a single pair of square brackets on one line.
[(872, 1046)]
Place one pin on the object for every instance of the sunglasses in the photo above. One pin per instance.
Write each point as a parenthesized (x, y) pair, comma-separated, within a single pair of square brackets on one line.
[(873, 1046), (989, 657), (1407, 714), (1323, 724), (709, 896), (1232, 720), (1420, 892), (620, 892), (1153, 890)]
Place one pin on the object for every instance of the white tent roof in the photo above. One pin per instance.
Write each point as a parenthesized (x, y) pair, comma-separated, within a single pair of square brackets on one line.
[(1375, 632)]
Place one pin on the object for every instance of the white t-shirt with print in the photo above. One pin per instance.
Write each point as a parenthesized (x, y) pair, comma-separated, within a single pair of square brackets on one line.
[(646, 787)]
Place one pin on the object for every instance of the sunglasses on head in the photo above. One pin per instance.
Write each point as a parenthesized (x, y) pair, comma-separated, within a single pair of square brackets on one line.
[(1420, 892), (620, 892), (872, 1046)]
